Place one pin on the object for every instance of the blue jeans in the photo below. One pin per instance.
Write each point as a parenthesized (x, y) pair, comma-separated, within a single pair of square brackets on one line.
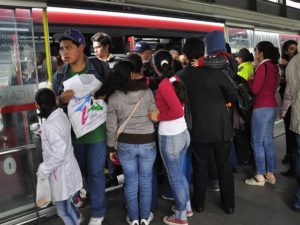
[(297, 171), (67, 211), (137, 163), (91, 159), (173, 149), (262, 126)]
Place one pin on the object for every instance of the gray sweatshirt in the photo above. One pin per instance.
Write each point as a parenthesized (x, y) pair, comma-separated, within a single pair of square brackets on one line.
[(119, 107)]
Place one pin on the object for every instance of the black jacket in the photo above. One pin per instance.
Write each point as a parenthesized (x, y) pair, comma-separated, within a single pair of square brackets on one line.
[(208, 91)]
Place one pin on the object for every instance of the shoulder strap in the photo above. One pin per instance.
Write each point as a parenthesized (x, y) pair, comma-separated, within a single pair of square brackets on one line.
[(124, 123)]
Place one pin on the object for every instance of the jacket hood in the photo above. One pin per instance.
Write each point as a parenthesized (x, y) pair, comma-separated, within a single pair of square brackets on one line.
[(131, 97)]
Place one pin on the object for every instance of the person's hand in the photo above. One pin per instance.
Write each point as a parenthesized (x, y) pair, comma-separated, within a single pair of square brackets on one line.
[(251, 77), (195, 63), (66, 96), (114, 158), (153, 115)]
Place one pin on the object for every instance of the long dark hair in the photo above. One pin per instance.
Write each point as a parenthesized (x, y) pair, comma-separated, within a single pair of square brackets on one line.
[(46, 100), (120, 78), (162, 60), (269, 51), (285, 47)]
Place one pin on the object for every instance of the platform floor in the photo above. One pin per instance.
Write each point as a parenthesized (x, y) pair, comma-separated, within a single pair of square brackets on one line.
[(268, 205)]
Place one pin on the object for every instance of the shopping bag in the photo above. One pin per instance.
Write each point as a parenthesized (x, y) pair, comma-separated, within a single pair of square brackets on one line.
[(43, 192), (83, 85), (86, 114)]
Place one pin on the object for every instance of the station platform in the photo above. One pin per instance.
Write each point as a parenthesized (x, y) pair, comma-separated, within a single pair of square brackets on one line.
[(268, 205)]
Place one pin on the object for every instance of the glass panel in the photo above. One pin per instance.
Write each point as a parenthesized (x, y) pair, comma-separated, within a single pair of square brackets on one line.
[(293, 4), (20, 74), (267, 36), (240, 38)]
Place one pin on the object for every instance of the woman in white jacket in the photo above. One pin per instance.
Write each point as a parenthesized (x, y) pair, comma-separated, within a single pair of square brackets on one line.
[(59, 163)]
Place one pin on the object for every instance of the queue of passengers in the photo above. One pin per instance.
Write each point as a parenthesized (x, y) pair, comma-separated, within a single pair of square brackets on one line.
[(171, 112)]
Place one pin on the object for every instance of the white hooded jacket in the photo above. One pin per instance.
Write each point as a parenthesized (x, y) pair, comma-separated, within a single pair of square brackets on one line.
[(59, 165)]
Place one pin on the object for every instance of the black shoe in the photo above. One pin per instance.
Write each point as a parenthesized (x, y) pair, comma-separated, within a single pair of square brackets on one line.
[(229, 211), (289, 173), (197, 208)]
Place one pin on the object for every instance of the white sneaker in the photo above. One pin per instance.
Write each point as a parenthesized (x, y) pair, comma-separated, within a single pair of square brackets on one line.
[(147, 221), (96, 221), (134, 222)]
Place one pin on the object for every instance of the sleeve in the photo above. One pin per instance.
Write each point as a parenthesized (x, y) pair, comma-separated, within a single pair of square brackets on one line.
[(57, 153), (111, 124), (174, 107), (228, 89), (55, 84), (151, 106), (287, 100), (256, 83)]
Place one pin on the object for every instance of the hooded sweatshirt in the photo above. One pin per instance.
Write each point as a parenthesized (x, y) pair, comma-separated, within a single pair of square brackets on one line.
[(139, 129)]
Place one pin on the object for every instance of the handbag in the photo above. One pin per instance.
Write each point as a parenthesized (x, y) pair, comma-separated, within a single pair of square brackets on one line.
[(124, 123)]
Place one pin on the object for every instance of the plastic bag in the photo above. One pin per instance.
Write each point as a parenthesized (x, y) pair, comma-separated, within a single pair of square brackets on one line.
[(86, 114), (43, 192)]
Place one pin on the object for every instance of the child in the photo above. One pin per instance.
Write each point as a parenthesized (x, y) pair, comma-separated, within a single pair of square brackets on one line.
[(59, 165)]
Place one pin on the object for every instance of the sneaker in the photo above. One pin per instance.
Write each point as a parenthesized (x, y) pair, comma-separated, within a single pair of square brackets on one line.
[(81, 219), (168, 196), (78, 202), (96, 221), (189, 213), (171, 220), (255, 182), (134, 222), (147, 221)]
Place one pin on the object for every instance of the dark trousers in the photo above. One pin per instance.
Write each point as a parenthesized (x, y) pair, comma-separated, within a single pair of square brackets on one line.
[(201, 154)]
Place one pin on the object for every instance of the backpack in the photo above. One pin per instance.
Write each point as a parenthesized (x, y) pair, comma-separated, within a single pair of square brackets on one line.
[(245, 96)]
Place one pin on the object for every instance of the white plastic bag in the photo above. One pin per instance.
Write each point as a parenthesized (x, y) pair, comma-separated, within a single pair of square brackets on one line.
[(83, 85), (86, 114), (43, 192)]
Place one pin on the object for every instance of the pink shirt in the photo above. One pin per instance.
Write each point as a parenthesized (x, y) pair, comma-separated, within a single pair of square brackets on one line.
[(264, 84)]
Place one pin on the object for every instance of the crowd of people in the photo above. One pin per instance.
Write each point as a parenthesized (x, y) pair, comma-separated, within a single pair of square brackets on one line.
[(189, 112)]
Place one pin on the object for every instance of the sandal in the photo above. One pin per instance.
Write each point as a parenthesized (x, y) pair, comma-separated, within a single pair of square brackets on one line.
[(254, 181)]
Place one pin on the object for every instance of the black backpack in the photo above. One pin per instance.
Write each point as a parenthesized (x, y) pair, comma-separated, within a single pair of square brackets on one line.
[(245, 96)]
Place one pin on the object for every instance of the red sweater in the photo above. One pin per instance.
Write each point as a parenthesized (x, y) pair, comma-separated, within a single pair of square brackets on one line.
[(167, 101), (264, 85)]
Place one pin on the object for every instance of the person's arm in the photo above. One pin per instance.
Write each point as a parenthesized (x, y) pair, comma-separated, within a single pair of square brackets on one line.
[(256, 82), (228, 89), (111, 124), (287, 100), (175, 109)]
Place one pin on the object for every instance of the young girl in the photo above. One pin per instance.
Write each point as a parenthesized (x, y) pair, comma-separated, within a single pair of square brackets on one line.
[(59, 165), (174, 138), (136, 144)]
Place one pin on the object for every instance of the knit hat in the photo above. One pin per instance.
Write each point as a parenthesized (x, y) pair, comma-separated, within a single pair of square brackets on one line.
[(215, 42)]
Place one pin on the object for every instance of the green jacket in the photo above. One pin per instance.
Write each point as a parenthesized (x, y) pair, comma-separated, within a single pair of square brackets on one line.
[(245, 70)]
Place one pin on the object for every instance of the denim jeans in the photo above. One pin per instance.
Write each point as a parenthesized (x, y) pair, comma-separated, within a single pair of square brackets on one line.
[(67, 211), (137, 163), (173, 149), (297, 171), (262, 126), (91, 159)]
